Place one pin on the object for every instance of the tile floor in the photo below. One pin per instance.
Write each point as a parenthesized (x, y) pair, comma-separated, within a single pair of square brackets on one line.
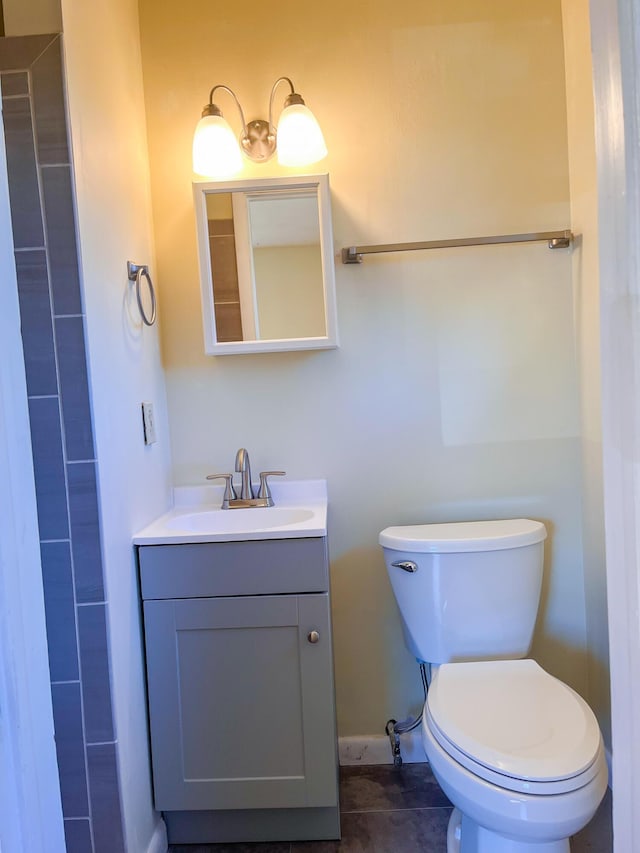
[(397, 810)]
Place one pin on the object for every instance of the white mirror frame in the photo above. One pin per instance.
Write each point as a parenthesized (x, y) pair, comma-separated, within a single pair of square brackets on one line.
[(319, 183)]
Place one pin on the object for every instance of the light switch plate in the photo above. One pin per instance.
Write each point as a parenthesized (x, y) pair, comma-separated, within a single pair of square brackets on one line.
[(148, 423)]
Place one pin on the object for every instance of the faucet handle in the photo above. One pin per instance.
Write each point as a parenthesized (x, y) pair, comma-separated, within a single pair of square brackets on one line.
[(264, 491), (229, 491)]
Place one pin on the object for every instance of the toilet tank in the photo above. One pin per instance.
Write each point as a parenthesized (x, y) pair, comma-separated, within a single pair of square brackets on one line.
[(469, 590)]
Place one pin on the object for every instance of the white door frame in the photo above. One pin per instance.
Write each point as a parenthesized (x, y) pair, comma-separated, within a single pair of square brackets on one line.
[(30, 806), (616, 66)]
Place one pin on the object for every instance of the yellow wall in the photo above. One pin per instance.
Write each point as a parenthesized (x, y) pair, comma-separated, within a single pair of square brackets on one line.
[(584, 222), (454, 392), (289, 291)]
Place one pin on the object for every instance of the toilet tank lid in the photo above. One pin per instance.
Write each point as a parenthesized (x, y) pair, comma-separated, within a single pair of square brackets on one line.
[(461, 536)]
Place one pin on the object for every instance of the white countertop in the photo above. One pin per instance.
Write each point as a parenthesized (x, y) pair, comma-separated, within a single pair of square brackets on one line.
[(299, 511)]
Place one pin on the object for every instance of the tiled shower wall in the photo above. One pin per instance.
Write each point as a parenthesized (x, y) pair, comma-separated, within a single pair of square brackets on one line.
[(52, 321)]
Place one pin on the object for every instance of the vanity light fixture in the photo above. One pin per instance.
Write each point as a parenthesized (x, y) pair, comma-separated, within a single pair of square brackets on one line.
[(297, 139)]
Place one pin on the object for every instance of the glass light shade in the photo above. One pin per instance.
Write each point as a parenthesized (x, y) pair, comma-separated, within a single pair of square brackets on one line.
[(300, 140), (216, 153)]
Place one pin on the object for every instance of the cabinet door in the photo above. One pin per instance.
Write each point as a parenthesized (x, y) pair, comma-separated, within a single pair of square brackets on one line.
[(240, 702)]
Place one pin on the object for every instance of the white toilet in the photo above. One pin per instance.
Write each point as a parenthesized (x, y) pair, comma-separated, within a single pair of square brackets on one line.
[(518, 753)]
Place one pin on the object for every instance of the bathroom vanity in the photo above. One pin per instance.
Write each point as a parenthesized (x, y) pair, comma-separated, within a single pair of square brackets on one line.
[(240, 674)]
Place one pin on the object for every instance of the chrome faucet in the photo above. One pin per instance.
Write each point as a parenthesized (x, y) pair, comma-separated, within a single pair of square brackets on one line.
[(247, 497), (243, 466)]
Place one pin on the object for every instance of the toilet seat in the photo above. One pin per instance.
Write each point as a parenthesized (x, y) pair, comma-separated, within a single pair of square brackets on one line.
[(513, 724)]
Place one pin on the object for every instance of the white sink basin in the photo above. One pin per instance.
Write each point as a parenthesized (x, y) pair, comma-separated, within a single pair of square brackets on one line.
[(239, 520), (300, 511)]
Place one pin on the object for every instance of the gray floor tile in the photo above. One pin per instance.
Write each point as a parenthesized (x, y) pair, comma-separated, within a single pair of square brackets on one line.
[(398, 810), (383, 786), (597, 837), (268, 847), (407, 831)]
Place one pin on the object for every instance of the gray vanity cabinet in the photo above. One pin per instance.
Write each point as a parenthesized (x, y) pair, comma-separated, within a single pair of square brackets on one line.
[(239, 711), (240, 688)]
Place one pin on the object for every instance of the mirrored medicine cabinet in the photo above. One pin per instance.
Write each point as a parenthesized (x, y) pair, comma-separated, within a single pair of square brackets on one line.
[(266, 264)]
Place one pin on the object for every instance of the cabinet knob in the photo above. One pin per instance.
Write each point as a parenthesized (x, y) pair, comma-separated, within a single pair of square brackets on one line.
[(313, 637)]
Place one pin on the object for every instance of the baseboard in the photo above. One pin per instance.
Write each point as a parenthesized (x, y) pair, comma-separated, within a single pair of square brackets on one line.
[(159, 843), (376, 749), (231, 826)]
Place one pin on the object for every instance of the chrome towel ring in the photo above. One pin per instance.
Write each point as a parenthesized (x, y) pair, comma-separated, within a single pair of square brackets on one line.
[(135, 273)]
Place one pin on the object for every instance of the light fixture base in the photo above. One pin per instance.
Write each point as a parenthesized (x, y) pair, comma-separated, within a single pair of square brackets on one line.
[(258, 141)]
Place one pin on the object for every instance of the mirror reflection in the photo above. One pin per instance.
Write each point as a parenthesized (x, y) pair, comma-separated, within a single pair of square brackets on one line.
[(266, 263)]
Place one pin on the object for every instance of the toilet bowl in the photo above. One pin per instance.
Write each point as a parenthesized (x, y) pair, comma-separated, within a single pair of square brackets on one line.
[(518, 753)]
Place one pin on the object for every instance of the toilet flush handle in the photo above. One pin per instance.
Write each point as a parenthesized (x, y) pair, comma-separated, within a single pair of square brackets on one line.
[(406, 565)]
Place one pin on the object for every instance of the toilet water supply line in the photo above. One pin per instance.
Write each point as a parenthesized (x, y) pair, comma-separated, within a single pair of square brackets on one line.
[(393, 729)]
